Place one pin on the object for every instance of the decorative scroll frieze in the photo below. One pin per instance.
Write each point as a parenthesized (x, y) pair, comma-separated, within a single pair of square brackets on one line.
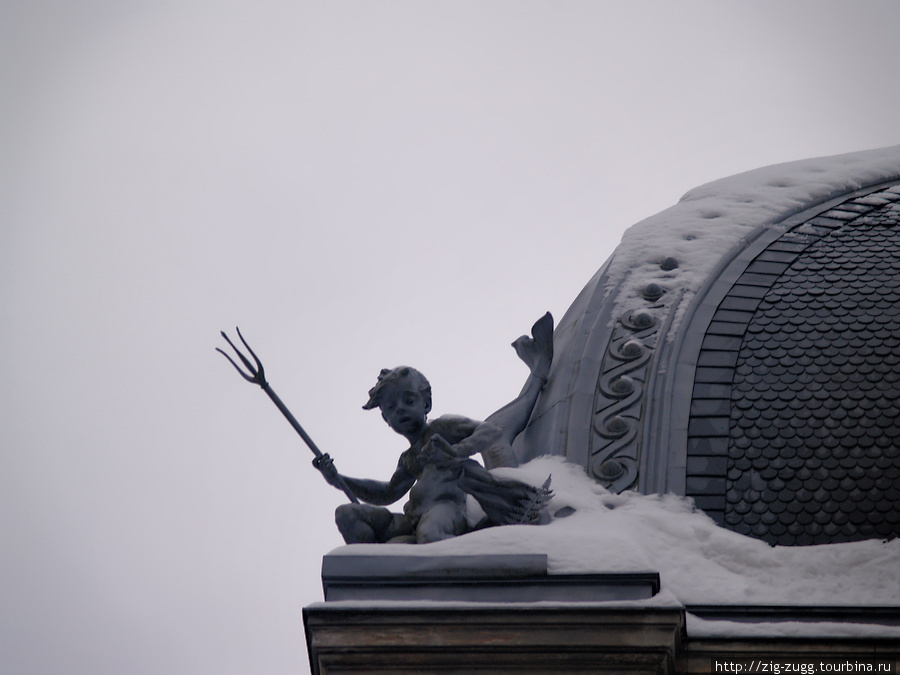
[(618, 401)]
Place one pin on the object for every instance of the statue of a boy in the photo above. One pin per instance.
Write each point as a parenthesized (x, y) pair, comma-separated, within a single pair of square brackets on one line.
[(436, 470)]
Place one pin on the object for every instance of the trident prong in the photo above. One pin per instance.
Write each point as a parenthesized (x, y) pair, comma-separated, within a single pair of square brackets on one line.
[(257, 374)]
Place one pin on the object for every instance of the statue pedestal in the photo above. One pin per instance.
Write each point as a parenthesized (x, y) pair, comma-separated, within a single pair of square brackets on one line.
[(485, 614)]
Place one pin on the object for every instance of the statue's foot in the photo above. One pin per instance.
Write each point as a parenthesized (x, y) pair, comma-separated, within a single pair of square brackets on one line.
[(403, 539), (537, 351)]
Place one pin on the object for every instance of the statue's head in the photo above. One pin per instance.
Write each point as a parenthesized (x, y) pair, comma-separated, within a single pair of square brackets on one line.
[(404, 396)]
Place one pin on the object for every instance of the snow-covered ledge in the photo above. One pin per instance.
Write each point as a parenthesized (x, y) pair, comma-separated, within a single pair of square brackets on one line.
[(699, 563)]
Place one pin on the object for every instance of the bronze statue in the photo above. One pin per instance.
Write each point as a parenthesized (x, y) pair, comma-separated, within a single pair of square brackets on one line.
[(436, 469)]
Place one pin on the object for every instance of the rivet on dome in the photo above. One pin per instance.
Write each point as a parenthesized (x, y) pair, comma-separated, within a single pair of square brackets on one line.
[(652, 292), (668, 264), (639, 320)]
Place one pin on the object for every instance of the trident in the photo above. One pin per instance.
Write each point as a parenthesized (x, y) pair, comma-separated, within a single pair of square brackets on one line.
[(257, 375)]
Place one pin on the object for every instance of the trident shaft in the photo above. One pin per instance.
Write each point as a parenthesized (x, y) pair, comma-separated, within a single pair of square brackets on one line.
[(257, 375)]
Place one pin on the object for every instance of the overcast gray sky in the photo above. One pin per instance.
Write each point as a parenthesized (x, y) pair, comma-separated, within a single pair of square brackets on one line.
[(357, 185)]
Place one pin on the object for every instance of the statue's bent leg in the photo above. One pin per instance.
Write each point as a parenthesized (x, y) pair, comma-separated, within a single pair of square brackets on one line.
[(401, 530), (442, 521), (367, 524), (537, 353), (499, 454)]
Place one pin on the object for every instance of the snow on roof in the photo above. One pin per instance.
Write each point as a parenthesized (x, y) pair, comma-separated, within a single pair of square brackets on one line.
[(711, 219), (699, 562)]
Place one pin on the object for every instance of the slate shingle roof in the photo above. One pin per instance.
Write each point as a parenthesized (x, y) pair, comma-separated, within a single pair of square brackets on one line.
[(794, 434)]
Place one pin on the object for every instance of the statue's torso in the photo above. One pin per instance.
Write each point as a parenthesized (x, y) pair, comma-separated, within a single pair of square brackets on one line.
[(435, 483)]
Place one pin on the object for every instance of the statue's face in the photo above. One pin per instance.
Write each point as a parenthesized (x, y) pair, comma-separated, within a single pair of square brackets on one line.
[(404, 409)]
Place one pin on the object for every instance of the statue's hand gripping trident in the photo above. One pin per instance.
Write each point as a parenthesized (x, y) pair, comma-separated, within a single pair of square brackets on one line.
[(257, 375)]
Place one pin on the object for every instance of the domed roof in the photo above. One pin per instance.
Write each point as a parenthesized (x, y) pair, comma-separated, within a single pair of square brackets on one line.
[(743, 348)]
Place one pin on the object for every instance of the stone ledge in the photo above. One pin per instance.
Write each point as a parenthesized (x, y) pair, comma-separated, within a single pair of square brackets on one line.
[(441, 637), (336, 565), (493, 578), (499, 641)]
